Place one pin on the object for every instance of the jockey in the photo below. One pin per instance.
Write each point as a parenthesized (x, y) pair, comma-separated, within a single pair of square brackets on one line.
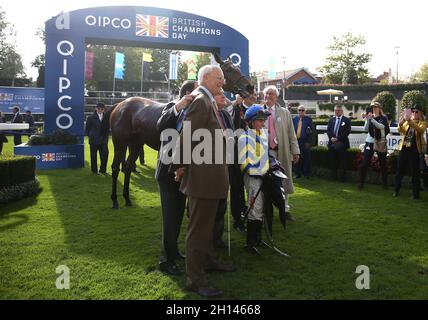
[(262, 175), (254, 160)]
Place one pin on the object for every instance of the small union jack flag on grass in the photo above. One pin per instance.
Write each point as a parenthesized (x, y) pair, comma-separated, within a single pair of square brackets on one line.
[(152, 26), (48, 157)]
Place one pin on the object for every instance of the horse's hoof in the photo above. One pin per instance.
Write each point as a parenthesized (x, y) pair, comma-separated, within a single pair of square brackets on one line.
[(115, 206)]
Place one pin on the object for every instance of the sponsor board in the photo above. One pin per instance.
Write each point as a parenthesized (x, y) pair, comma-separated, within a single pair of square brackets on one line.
[(54, 156)]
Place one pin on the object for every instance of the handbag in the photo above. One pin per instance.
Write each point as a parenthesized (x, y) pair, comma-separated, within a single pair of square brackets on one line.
[(380, 146)]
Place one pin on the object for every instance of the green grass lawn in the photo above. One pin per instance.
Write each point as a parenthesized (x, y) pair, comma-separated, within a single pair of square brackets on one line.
[(114, 254)]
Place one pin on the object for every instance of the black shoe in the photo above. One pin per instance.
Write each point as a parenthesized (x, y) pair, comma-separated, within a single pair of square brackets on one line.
[(206, 292), (170, 269), (395, 194), (253, 250)]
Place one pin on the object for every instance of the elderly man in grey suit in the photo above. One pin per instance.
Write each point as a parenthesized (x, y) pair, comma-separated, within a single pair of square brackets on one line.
[(283, 144), (205, 184)]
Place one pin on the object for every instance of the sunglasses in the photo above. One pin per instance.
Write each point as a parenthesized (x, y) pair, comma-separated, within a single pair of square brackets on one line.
[(301, 110)]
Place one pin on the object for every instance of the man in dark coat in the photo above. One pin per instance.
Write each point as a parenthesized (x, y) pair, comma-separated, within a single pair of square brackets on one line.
[(304, 128), (338, 130), (28, 118), (17, 118), (96, 129), (237, 193), (172, 200)]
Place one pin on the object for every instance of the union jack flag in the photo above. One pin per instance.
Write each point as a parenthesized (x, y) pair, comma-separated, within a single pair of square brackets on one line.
[(48, 157), (152, 26)]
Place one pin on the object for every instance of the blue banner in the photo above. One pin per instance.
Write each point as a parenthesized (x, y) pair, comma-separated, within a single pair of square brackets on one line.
[(32, 99), (119, 65)]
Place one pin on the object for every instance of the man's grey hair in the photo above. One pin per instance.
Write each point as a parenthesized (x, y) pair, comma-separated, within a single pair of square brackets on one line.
[(271, 87), (205, 70)]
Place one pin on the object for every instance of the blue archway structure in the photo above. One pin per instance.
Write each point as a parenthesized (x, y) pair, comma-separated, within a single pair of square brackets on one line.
[(68, 33)]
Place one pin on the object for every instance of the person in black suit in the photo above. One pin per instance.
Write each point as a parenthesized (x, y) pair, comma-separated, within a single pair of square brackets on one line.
[(96, 129), (172, 200), (2, 136), (237, 192), (234, 177), (338, 130), (17, 118), (28, 118)]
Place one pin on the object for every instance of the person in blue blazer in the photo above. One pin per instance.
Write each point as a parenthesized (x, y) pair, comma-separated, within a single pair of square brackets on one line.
[(338, 130)]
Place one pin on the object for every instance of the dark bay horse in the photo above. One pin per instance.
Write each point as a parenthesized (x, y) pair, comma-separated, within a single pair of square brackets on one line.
[(133, 124)]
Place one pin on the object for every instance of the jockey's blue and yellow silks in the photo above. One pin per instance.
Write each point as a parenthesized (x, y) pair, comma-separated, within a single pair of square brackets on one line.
[(253, 152)]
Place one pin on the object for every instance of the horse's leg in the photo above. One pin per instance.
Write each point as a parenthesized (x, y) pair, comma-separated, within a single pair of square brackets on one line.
[(119, 153), (134, 152)]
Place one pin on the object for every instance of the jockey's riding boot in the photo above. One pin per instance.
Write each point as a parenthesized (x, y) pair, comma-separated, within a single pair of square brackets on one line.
[(252, 237)]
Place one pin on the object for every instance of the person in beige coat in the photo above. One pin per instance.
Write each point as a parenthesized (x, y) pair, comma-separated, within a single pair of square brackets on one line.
[(283, 144)]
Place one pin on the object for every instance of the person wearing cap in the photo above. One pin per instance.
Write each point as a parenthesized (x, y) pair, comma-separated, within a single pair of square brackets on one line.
[(412, 127), (376, 124), (253, 156), (304, 128), (283, 143), (96, 129), (338, 130)]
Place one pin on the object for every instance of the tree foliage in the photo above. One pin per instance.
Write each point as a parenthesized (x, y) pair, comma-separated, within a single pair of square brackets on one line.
[(388, 102), (410, 98), (39, 60), (421, 75), (346, 61), (11, 65)]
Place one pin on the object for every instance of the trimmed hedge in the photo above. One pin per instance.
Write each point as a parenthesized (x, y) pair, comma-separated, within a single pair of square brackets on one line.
[(56, 137), (354, 157), (19, 191), (16, 169), (320, 157)]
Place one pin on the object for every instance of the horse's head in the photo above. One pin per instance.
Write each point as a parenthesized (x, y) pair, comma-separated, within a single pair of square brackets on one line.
[(235, 81)]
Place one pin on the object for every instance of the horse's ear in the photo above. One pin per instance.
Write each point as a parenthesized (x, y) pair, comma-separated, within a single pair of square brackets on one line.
[(218, 59)]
